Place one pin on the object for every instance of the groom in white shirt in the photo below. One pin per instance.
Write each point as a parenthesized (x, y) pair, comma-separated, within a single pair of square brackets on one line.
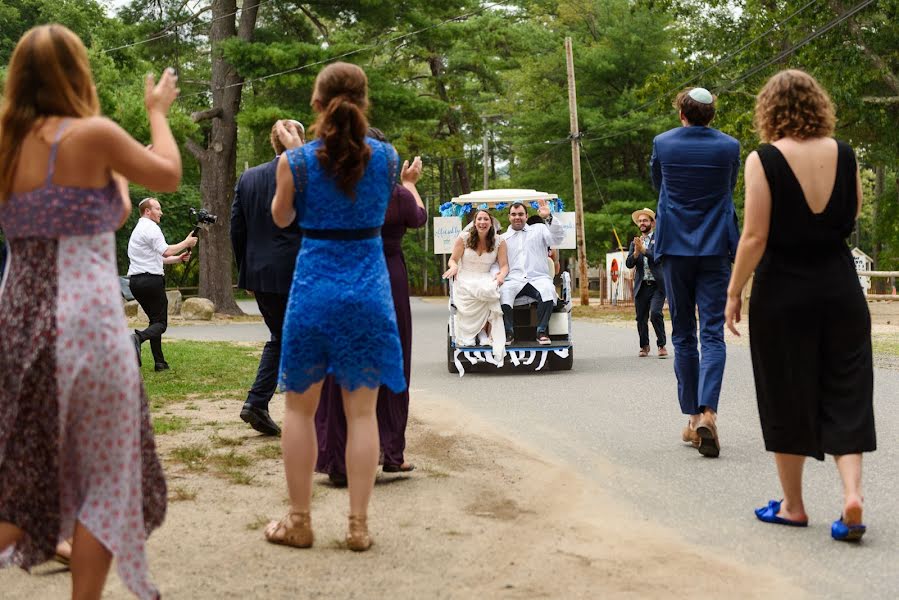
[(527, 246)]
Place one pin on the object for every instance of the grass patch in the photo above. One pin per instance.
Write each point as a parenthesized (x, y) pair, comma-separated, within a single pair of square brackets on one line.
[(200, 369), (232, 460), (226, 442), (607, 312), (885, 345), (269, 451), (238, 477), (164, 424), (192, 456), (436, 473), (182, 494)]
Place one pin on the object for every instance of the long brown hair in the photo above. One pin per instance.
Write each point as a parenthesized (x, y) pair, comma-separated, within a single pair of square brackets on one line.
[(49, 75), (474, 237), (341, 99)]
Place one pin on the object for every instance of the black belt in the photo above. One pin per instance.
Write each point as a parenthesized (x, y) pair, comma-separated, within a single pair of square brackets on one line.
[(344, 235), (145, 275)]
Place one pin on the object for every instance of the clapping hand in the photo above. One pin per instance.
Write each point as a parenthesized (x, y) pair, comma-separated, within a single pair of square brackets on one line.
[(160, 96), (411, 173), (543, 209), (638, 245), (288, 134)]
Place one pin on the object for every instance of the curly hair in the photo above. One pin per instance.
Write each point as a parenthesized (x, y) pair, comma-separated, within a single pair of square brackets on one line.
[(341, 100), (473, 237), (793, 104)]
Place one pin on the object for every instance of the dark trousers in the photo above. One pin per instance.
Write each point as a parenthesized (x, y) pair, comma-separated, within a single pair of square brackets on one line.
[(649, 302), (697, 282), (544, 310), (272, 306), (149, 291)]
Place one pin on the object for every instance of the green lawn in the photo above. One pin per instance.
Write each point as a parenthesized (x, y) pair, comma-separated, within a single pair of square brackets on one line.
[(199, 369)]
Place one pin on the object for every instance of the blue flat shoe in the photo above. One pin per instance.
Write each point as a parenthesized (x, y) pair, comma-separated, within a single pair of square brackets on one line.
[(768, 514), (846, 533)]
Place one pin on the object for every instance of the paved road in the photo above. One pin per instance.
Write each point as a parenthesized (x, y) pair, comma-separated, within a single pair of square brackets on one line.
[(615, 419)]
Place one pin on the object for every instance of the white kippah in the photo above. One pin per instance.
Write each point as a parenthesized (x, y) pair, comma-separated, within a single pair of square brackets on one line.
[(701, 95)]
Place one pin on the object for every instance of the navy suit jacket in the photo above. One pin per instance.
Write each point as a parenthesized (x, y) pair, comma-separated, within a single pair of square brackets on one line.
[(266, 254), (655, 268), (695, 171)]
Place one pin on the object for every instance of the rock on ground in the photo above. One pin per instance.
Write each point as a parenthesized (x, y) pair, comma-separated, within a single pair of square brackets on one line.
[(200, 309)]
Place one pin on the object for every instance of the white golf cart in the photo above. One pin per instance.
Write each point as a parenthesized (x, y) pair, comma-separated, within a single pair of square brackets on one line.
[(525, 353)]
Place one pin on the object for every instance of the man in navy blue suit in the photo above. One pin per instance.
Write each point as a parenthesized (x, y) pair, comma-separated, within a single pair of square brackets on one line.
[(695, 169), (266, 257), (649, 283)]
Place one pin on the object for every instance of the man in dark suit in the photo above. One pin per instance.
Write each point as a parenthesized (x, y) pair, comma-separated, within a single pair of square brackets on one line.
[(266, 256), (649, 283), (695, 169)]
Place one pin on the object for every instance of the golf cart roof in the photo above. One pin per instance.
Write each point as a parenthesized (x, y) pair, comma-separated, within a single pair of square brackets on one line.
[(502, 196)]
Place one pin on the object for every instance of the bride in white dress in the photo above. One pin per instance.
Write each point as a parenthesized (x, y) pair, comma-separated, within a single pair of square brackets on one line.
[(476, 289)]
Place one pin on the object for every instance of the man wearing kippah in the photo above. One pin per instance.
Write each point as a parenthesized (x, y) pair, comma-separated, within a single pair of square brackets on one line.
[(695, 169)]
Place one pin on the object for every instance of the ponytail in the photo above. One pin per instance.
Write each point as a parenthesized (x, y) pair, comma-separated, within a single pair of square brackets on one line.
[(344, 153)]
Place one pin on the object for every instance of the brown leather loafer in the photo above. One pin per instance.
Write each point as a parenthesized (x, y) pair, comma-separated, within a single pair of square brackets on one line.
[(662, 352), (644, 351), (689, 436), (708, 437)]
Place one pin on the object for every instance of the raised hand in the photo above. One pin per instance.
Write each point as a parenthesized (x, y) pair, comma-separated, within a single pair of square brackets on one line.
[(543, 209), (160, 96), (411, 173), (288, 134)]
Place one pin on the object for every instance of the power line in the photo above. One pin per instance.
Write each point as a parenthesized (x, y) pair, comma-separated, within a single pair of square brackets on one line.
[(358, 50), (759, 67), (168, 33), (723, 60)]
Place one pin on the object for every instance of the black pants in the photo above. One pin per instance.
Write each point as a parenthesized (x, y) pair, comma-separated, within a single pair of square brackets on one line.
[(149, 291), (272, 307), (649, 302), (544, 310)]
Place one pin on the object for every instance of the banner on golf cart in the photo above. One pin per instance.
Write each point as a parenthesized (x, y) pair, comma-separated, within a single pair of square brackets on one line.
[(446, 230), (567, 220)]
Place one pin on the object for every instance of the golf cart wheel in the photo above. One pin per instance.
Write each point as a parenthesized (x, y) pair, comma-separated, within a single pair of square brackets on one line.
[(558, 363), (450, 363)]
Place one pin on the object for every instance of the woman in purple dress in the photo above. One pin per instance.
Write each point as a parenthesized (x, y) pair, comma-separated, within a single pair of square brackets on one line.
[(405, 210)]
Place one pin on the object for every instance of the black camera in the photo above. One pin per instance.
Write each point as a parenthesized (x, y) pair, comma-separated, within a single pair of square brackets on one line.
[(202, 216)]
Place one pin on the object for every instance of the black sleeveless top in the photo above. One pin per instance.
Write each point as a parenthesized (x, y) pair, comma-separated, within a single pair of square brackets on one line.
[(795, 229)]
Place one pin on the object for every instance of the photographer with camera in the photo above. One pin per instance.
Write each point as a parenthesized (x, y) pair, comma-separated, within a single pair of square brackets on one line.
[(148, 252)]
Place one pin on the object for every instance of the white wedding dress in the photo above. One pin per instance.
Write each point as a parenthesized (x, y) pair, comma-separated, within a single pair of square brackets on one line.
[(476, 296)]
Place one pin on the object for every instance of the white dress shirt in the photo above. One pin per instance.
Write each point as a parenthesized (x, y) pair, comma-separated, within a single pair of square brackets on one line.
[(527, 251), (145, 248)]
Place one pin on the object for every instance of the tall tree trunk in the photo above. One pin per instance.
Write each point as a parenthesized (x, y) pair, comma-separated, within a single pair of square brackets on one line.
[(460, 169), (217, 160)]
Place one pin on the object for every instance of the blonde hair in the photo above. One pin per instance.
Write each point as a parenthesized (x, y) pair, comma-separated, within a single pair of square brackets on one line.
[(49, 75), (793, 104), (277, 146)]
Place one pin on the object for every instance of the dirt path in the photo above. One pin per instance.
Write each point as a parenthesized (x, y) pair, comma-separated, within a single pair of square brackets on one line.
[(481, 517)]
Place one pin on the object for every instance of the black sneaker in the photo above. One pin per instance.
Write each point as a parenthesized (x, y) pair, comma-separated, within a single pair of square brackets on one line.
[(260, 420), (163, 366), (509, 338), (543, 339), (136, 341)]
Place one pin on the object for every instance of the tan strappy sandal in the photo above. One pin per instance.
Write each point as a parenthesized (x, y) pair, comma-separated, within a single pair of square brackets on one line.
[(357, 537), (295, 529)]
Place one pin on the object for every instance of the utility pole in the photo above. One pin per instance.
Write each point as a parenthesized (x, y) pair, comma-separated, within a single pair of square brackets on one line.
[(486, 154), (583, 286)]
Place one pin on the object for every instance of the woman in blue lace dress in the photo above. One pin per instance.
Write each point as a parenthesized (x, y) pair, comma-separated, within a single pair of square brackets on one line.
[(340, 318)]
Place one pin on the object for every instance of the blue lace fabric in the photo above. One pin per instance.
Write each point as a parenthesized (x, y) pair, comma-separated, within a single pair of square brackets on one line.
[(340, 318)]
